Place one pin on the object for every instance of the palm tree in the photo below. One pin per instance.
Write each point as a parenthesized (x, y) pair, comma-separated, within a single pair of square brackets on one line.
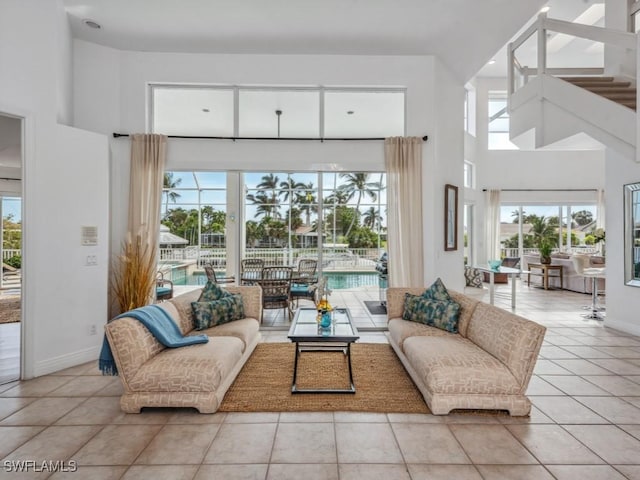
[(338, 197), (270, 182), (371, 218), (265, 205), (288, 189), (516, 215), (167, 185), (307, 201), (542, 230), (582, 217), (358, 185)]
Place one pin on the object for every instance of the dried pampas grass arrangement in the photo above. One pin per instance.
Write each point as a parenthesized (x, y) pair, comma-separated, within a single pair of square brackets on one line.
[(134, 275)]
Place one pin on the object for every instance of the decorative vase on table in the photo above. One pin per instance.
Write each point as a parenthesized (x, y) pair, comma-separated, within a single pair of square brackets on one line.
[(545, 259), (325, 319)]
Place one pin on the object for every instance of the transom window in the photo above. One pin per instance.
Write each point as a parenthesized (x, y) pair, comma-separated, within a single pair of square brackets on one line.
[(312, 112)]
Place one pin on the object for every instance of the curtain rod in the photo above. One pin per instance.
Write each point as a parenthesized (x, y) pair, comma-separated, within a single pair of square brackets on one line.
[(317, 139), (545, 189)]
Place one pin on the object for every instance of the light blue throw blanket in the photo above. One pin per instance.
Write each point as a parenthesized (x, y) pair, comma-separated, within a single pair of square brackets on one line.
[(162, 327)]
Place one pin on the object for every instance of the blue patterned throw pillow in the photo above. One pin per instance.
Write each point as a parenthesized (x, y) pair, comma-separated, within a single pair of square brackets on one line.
[(437, 291), (211, 292), (217, 312), (435, 313)]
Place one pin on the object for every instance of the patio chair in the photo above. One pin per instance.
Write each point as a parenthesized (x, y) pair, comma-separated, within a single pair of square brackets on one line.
[(164, 288), (211, 275), (304, 279), (276, 286), (251, 269)]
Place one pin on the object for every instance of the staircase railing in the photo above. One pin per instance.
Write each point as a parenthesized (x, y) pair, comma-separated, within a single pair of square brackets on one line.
[(518, 74)]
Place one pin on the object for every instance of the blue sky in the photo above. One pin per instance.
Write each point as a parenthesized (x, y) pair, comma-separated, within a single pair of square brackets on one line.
[(542, 210), (12, 205)]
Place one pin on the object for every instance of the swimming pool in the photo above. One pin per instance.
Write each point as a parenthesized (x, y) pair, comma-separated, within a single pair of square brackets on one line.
[(337, 280)]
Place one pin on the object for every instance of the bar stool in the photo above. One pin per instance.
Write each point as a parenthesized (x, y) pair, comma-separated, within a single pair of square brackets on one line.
[(594, 274)]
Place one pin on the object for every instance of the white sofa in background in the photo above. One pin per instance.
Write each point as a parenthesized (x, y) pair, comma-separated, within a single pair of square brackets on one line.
[(571, 280)]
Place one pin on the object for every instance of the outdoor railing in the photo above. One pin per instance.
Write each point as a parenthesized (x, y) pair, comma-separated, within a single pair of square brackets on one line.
[(10, 252), (350, 259), (513, 252)]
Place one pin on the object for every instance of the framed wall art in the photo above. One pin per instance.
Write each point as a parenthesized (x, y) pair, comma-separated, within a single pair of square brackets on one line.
[(450, 217)]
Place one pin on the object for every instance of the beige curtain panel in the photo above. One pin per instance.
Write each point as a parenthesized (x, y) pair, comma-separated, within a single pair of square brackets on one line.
[(148, 155), (492, 225), (403, 163)]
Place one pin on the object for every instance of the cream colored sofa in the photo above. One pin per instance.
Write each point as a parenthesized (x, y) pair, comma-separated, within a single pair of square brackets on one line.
[(193, 376), (487, 365)]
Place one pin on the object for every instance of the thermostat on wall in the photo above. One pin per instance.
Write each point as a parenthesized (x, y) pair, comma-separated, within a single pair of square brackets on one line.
[(89, 235)]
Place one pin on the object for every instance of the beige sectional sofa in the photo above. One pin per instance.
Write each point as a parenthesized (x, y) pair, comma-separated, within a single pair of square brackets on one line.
[(487, 365), (193, 376)]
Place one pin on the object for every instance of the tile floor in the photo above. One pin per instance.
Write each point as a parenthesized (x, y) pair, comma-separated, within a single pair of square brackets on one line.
[(585, 423)]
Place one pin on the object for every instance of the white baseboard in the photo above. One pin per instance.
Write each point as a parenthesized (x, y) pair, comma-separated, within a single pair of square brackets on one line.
[(68, 360), (627, 327)]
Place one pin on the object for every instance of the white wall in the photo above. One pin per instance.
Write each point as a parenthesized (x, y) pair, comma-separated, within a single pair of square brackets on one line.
[(429, 112), (75, 292), (64, 66), (623, 302), (65, 186), (446, 167), (96, 69), (563, 170)]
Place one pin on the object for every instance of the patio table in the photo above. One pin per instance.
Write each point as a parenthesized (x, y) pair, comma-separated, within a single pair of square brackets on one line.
[(511, 272)]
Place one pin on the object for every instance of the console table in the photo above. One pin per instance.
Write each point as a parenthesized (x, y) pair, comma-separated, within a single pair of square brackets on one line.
[(545, 269)]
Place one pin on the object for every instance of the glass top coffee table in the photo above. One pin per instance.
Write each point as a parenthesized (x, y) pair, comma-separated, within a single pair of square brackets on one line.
[(309, 336)]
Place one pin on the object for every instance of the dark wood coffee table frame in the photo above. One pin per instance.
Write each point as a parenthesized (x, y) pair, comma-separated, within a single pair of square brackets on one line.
[(316, 339)]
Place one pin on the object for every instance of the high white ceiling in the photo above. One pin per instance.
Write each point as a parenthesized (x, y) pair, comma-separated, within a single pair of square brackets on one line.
[(464, 34)]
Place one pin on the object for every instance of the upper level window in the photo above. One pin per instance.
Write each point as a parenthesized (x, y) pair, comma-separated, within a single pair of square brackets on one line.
[(183, 110), (498, 128), (352, 113), (469, 174), (299, 113), (277, 111), (470, 111), (634, 16)]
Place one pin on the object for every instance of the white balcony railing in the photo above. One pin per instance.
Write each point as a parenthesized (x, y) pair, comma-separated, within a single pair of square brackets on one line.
[(529, 55)]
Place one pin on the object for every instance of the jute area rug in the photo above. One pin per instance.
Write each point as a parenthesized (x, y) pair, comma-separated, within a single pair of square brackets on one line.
[(9, 308), (382, 385)]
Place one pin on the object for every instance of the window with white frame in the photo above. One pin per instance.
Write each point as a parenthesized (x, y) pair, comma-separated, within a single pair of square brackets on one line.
[(469, 174), (236, 111), (470, 111), (634, 15), (194, 111), (498, 128)]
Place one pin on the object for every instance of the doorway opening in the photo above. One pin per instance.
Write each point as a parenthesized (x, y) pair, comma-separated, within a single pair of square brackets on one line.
[(11, 247)]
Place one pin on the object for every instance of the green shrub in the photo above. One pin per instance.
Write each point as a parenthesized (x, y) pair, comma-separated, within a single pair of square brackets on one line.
[(15, 261)]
